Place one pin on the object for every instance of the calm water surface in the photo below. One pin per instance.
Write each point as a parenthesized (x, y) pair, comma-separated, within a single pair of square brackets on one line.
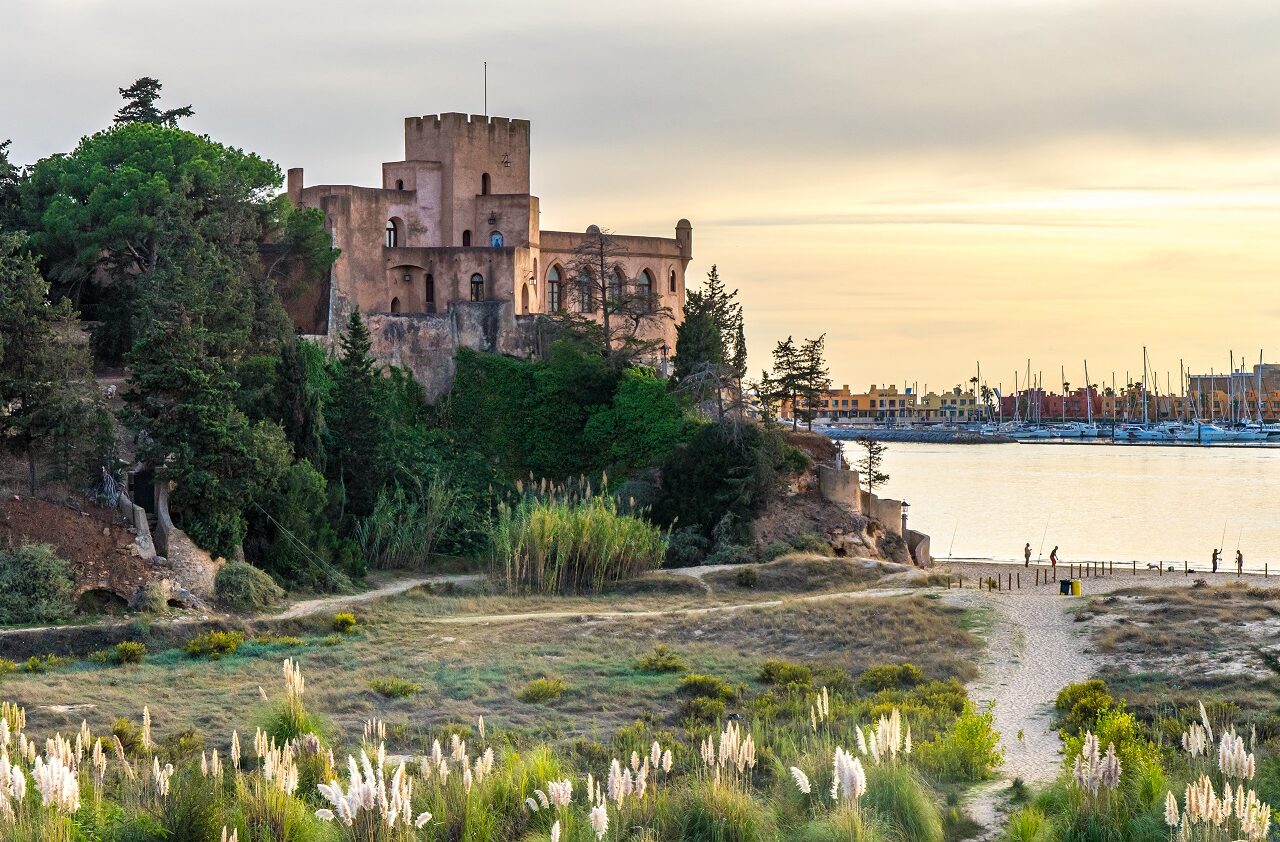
[(1099, 502)]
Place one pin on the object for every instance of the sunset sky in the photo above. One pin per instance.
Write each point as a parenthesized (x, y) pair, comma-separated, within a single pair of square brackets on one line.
[(930, 183)]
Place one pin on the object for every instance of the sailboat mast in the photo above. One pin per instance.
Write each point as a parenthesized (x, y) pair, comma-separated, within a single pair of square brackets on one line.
[(1088, 394), (1145, 419)]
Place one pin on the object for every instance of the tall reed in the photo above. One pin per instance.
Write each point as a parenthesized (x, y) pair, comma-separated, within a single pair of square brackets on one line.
[(558, 543)]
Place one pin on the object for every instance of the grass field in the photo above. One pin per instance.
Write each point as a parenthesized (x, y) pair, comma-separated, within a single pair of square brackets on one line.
[(440, 658)]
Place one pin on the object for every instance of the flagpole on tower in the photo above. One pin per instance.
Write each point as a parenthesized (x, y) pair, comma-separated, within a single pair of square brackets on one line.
[(486, 89)]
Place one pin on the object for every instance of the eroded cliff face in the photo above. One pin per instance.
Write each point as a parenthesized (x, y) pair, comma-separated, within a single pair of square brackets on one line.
[(110, 555)]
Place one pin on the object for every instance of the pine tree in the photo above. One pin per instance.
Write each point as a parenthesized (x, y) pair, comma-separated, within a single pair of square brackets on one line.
[(355, 433), (870, 462), (140, 105), (46, 380), (814, 380)]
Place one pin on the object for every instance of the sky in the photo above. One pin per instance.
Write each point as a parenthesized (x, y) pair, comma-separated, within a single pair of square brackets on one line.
[(933, 184)]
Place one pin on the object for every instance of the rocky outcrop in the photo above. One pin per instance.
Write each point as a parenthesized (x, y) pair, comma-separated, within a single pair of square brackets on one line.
[(828, 501)]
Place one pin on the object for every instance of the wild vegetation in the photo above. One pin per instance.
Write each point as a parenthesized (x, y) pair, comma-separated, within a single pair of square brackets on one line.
[(784, 773), (317, 467)]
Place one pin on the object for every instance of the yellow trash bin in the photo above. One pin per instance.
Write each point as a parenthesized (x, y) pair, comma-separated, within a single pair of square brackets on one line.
[(1075, 587)]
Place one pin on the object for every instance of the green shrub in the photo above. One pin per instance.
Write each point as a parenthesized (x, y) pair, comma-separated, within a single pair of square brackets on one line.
[(747, 577), (810, 542), (889, 677), (151, 599), (394, 688), (1079, 705), (214, 644), (271, 639), (968, 751), (896, 794), (242, 587), (128, 652), (331, 640), (99, 656), (1028, 825), (687, 547), (42, 664), (776, 550), (7, 666), (35, 586), (782, 673), (724, 814), (703, 709), (730, 554), (344, 622), (129, 734), (661, 658), (542, 690), (710, 686)]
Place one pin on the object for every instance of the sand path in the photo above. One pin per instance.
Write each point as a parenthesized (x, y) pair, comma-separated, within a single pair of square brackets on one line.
[(1033, 650)]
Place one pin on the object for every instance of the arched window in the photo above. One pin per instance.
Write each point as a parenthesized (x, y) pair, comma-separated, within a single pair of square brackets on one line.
[(429, 294), (616, 284), (644, 291), (554, 302), (495, 240), (477, 287), (399, 183), (524, 298), (393, 234), (395, 305), (484, 185), (672, 283), (466, 238)]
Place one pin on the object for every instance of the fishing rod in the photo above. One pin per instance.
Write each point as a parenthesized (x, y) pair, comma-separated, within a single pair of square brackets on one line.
[(1040, 555), (953, 538), (1222, 544)]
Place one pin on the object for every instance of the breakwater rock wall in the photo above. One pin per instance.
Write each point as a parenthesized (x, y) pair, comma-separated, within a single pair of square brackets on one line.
[(929, 436)]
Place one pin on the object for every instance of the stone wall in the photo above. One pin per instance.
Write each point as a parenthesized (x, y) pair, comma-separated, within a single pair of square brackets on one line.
[(841, 486), (426, 344)]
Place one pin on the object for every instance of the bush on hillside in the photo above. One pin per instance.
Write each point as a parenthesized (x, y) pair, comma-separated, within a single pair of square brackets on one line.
[(35, 586), (542, 690), (889, 677), (215, 644), (662, 658), (244, 588), (1081, 704)]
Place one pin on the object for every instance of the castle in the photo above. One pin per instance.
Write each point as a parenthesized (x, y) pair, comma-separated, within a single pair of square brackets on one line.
[(448, 253)]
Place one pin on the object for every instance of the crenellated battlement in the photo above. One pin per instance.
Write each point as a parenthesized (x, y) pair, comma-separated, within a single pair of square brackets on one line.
[(452, 124)]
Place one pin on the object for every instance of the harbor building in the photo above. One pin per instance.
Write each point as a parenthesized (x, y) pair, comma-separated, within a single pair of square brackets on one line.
[(448, 252)]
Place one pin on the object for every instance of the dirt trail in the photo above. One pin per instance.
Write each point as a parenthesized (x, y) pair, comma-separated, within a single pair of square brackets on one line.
[(481, 619), (396, 586)]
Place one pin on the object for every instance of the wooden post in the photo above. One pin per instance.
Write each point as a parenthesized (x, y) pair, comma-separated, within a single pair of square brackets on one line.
[(1184, 568), (1019, 580), (1135, 567)]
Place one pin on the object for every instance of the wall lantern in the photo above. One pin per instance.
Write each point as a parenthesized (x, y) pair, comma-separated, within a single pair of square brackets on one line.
[(408, 278), (493, 219), (506, 159)]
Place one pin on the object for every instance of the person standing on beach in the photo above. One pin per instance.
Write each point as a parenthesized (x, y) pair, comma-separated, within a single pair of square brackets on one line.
[(1053, 558), (1216, 552), (1026, 554), (1239, 563)]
